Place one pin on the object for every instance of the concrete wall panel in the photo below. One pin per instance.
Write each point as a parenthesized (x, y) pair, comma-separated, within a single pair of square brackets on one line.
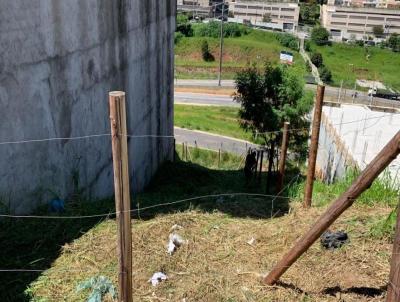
[(58, 61)]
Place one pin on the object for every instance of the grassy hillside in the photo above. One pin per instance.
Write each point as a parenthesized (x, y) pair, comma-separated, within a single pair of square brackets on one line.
[(217, 120), (349, 62), (256, 47)]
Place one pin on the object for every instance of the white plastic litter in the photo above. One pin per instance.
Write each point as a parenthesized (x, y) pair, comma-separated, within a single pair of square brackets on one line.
[(252, 241), (176, 227), (175, 241), (157, 278)]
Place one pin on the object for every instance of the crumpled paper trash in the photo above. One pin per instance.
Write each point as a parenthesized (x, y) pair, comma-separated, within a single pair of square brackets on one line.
[(175, 241), (157, 278)]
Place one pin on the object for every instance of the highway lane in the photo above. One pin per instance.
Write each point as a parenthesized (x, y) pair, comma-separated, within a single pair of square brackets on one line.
[(331, 93), (204, 99), (210, 141)]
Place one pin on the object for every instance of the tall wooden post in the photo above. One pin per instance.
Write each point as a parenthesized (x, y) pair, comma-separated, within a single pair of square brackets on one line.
[(183, 151), (362, 183), (393, 291), (282, 160), (122, 192), (312, 158)]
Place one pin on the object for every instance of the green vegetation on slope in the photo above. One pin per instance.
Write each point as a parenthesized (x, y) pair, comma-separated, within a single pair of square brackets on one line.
[(255, 48), (351, 62), (213, 119)]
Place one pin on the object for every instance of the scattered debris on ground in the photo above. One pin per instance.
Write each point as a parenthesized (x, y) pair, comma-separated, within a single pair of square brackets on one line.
[(334, 240), (220, 264)]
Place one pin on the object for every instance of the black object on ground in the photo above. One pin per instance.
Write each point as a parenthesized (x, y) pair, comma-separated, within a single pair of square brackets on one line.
[(333, 240)]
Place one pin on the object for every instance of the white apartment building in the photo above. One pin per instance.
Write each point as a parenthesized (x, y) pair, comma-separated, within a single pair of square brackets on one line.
[(282, 13), (347, 19)]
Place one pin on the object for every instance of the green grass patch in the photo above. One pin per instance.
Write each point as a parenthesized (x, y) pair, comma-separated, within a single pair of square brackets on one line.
[(381, 192), (350, 62), (213, 119), (257, 48)]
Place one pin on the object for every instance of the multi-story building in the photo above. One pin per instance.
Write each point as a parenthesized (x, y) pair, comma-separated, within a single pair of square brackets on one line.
[(283, 13), (357, 18), (205, 8)]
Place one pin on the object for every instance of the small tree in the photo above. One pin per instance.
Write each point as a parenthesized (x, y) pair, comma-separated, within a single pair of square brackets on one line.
[(267, 18), (183, 25), (320, 35), (270, 98), (325, 74), (394, 42), (205, 52), (378, 30), (317, 59)]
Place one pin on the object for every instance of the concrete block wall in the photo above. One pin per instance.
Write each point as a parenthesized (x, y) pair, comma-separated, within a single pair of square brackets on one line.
[(58, 61)]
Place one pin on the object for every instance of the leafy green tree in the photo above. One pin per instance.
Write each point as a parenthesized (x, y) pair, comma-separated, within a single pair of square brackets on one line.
[(394, 42), (325, 74), (267, 18), (309, 13), (183, 25), (319, 35), (205, 52), (317, 60), (378, 30), (288, 40), (270, 98)]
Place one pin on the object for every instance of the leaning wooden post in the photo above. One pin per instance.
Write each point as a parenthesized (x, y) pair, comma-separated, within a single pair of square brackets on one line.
[(393, 291), (282, 160), (362, 183), (312, 158), (122, 192)]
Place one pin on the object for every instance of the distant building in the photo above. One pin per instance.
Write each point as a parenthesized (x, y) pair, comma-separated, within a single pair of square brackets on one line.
[(282, 14), (357, 18), (203, 8)]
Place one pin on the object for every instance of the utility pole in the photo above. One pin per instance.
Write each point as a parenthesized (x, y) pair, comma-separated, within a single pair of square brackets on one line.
[(122, 193), (312, 158), (221, 45)]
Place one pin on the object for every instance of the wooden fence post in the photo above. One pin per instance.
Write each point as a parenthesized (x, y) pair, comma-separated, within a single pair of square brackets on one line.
[(122, 193), (186, 151), (312, 158), (393, 291), (282, 161), (183, 151), (362, 183), (261, 162)]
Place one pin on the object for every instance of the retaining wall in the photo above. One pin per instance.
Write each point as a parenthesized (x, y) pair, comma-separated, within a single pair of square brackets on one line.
[(58, 61)]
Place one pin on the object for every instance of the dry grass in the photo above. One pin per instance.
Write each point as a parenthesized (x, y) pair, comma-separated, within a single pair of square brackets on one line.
[(218, 265)]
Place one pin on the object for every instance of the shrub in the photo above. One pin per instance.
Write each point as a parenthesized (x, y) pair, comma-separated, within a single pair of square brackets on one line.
[(183, 25), (325, 74), (178, 37), (288, 40), (316, 59), (205, 52), (394, 42), (213, 30), (320, 35), (307, 45)]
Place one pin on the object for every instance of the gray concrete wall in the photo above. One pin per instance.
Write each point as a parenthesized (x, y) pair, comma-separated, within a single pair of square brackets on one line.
[(58, 61)]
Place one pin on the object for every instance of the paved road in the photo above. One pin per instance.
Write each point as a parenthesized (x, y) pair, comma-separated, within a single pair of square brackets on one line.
[(332, 94), (204, 99), (211, 141)]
